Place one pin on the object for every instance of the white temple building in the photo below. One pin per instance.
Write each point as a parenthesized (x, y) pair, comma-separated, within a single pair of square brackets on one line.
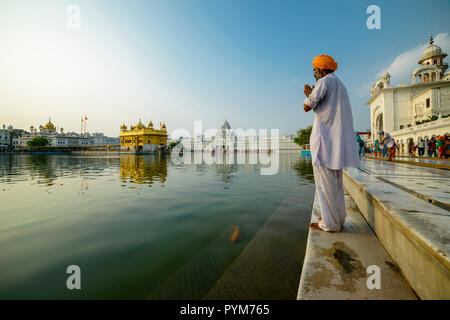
[(417, 110), (58, 138), (251, 140)]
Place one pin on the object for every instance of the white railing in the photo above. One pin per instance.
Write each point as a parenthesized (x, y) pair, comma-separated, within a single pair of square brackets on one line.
[(442, 122)]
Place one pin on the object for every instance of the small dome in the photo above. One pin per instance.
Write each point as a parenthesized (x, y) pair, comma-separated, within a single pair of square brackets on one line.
[(150, 124), (431, 51), (139, 125), (163, 126), (226, 125), (123, 127), (49, 125)]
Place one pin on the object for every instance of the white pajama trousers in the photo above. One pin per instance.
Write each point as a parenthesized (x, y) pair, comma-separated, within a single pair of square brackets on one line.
[(330, 194)]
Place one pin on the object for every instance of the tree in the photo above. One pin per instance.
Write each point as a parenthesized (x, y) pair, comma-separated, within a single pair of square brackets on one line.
[(303, 135), (38, 142), (173, 144)]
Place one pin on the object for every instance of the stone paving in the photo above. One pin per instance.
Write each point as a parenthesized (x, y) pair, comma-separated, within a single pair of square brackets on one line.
[(430, 184), (408, 209), (335, 265), (422, 160)]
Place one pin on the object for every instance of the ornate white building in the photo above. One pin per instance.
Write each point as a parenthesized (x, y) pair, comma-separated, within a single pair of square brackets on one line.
[(242, 141), (62, 139), (404, 110)]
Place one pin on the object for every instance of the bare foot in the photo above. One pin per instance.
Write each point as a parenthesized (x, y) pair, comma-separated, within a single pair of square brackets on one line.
[(315, 226)]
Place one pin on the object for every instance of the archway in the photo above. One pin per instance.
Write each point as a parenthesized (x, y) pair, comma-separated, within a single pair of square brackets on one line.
[(379, 125), (409, 144)]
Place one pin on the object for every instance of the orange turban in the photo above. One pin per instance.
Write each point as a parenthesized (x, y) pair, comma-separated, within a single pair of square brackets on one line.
[(324, 62)]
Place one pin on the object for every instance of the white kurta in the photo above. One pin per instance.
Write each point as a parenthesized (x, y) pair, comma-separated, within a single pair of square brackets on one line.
[(332, 141), (333, 147)]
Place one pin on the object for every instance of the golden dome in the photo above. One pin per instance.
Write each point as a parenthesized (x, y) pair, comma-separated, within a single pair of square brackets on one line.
[(150, 124), (123, 127), (163, 126), (49, 125), (139, 125)]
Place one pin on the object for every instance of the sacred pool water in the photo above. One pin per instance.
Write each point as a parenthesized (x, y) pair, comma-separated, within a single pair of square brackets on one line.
[(139, 226)]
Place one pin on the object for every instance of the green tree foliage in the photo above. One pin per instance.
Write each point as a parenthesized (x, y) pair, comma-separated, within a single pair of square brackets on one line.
[(303, 135), (173, 144), (38, 142)]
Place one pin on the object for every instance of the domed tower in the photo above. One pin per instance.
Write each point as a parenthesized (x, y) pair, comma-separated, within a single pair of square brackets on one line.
[(123, 127), (139, 126), (50, 126), (150, 125), (224, 127), (386, 79), (163, 127), (432, 66), (382, 82)]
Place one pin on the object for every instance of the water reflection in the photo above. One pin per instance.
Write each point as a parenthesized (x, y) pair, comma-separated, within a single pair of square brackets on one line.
[(304, 169), (45, 169), (132, 243), (143, 169)]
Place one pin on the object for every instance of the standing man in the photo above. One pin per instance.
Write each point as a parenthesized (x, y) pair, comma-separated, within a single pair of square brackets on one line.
[(333, 143), (361, 145), (421, 145)]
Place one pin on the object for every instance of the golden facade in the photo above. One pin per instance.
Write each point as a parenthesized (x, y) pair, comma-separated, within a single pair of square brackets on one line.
[(143, 138)]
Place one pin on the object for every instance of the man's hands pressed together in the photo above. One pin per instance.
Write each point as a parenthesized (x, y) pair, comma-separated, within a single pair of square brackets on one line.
[(307, 92)]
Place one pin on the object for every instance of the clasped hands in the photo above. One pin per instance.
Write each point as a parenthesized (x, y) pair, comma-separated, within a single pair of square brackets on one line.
[(307, 90)]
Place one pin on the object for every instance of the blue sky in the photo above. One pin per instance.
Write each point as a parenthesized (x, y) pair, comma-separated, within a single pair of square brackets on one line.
[(186, 60)]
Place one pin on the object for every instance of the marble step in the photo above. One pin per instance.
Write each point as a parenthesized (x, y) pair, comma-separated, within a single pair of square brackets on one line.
[(413, 231), (335, 265)]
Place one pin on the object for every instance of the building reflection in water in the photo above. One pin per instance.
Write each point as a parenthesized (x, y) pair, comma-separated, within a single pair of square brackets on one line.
[(227, 165), (143, 169)]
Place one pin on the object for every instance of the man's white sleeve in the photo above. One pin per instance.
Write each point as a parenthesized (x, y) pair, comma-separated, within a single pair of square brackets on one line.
[(317, 95)]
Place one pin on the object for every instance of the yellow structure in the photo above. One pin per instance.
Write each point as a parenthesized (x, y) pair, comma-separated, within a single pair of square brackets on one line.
[(143, 170), (143, 139)]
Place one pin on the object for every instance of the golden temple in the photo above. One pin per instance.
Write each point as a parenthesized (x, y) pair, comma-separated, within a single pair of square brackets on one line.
[(141, 138)]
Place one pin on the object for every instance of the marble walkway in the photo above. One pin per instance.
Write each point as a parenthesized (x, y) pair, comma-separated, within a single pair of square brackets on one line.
[(398, 215)]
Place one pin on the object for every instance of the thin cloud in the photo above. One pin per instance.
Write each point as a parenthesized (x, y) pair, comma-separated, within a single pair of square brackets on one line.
[(405, 63)]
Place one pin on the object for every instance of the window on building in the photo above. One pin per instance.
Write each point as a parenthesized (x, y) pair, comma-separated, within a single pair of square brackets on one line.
[(428, 102), (402, 126)]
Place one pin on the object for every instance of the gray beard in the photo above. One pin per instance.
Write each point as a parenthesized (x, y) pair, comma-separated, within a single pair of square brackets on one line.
[(319, 76)]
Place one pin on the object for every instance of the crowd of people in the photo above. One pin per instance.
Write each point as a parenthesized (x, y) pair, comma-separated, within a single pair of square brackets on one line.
[(386, 147), (435, 147)]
